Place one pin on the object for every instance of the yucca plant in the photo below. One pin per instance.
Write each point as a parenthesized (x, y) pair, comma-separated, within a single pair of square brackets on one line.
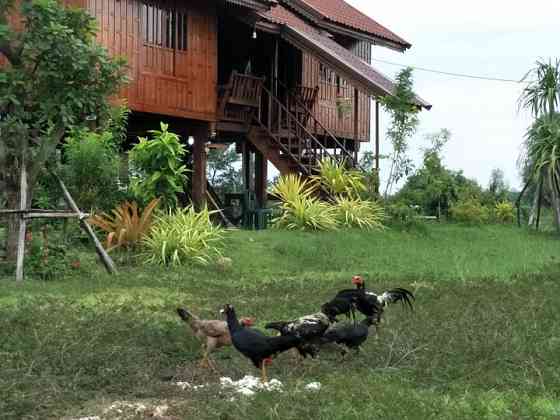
[(127, 225), (306, 214), (355, 212), (337, 179), (543, 158), (184, 236), (300, 210), (542, 154), (291, 188)]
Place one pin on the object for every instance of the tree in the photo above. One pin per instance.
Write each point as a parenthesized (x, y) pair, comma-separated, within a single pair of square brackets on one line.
[(56, 78), (223, 172), (498, 188), (404, 122), (541, 159)]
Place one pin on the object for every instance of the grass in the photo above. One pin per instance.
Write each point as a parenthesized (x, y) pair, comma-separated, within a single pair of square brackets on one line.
[(483, 342)]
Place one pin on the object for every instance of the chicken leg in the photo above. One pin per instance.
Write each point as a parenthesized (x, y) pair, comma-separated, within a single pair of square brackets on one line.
[(264, 375)]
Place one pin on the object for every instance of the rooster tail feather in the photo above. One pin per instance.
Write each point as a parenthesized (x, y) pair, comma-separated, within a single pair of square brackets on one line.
[(402, 295)]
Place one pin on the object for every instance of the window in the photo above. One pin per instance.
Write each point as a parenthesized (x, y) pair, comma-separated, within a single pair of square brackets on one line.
[(164, 27)]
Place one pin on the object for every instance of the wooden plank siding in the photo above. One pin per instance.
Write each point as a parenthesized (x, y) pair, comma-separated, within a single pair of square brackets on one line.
[(333, 87), (164, 80)]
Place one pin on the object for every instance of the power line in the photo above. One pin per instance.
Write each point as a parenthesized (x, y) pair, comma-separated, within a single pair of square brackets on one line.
[(446, 73)]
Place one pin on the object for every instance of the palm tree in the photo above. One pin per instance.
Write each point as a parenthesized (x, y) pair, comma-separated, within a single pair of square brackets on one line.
[(542, 146)]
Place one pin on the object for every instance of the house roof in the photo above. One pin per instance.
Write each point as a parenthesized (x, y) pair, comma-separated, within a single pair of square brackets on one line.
[(341, 13), (254, 4), (299, 33)]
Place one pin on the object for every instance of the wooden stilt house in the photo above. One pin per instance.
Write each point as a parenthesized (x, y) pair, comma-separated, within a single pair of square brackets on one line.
[(289, 81)]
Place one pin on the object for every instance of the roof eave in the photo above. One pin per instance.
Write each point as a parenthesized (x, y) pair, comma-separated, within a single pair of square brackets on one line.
[(340, 29), (257, 5), (321, 20)]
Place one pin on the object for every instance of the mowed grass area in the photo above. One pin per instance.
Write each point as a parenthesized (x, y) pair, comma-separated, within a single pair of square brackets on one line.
[(483, 342)]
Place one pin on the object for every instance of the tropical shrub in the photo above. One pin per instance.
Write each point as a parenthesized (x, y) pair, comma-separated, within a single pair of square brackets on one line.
[(300, 210), (127, 225), (504, 212), (92, 169), (291, 188), (337, 179), (184, 236), (158, 167), (355, 212), (470, 212), (306, 214)]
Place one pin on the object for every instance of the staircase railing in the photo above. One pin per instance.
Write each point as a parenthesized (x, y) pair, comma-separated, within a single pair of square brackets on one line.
[(319, 129), (293, 137)]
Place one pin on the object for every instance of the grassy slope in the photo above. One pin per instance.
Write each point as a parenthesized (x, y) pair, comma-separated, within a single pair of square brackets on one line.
[(483, 342)]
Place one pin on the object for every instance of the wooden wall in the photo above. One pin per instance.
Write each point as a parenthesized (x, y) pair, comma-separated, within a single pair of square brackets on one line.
[(164, 80), (333, 87)]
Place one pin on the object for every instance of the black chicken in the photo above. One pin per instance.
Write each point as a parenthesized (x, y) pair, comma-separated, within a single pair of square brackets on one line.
[(350, 335), (309, 329), (255, 345)]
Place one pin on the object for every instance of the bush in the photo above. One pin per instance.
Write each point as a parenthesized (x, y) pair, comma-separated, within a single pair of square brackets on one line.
[(504, 212), (306, 214), (470, 212), (300, 209), (337, 179), (355, 212), (158, 166), (92, 169), (405, 216), (184, 236), (127, 226)]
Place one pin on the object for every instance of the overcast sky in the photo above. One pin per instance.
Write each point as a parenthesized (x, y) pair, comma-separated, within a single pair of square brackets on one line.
[(494, 38)]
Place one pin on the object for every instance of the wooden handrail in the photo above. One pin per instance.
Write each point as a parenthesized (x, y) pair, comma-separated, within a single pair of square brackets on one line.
[(318, 123), (291, 118)]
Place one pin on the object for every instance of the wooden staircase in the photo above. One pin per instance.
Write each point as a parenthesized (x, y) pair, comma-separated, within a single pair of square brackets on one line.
[(294, 141)]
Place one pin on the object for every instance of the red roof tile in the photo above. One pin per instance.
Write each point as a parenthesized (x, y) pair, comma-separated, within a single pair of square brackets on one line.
[(338, 11)]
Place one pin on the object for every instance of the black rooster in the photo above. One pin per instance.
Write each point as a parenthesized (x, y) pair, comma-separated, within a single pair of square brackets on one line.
[(309, 328), (371, 304), (255, 345)]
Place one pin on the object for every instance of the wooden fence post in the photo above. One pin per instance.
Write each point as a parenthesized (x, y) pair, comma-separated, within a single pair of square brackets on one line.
[(22, 222), (105, 258)]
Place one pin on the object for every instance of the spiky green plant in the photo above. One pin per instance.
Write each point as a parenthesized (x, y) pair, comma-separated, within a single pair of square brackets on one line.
[(300, 209), (306, 214), (338, 179), (184, 236), (355, 212), (291, 188), (127, 225)]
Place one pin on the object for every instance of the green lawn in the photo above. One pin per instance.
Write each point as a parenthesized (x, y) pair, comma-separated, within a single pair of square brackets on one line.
[(483, 342)]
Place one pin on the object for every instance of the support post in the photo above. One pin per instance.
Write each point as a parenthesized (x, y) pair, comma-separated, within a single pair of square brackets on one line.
[(377, 114), (356, 125), (199, 167), (246, 166), (22, 222), (261, 167), (105, 258)]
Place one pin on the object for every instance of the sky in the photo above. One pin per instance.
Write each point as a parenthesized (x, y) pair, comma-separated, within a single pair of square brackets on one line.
[(492, 38)]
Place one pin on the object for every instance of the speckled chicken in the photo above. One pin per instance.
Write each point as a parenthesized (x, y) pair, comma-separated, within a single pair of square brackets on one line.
[(213, 333)]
